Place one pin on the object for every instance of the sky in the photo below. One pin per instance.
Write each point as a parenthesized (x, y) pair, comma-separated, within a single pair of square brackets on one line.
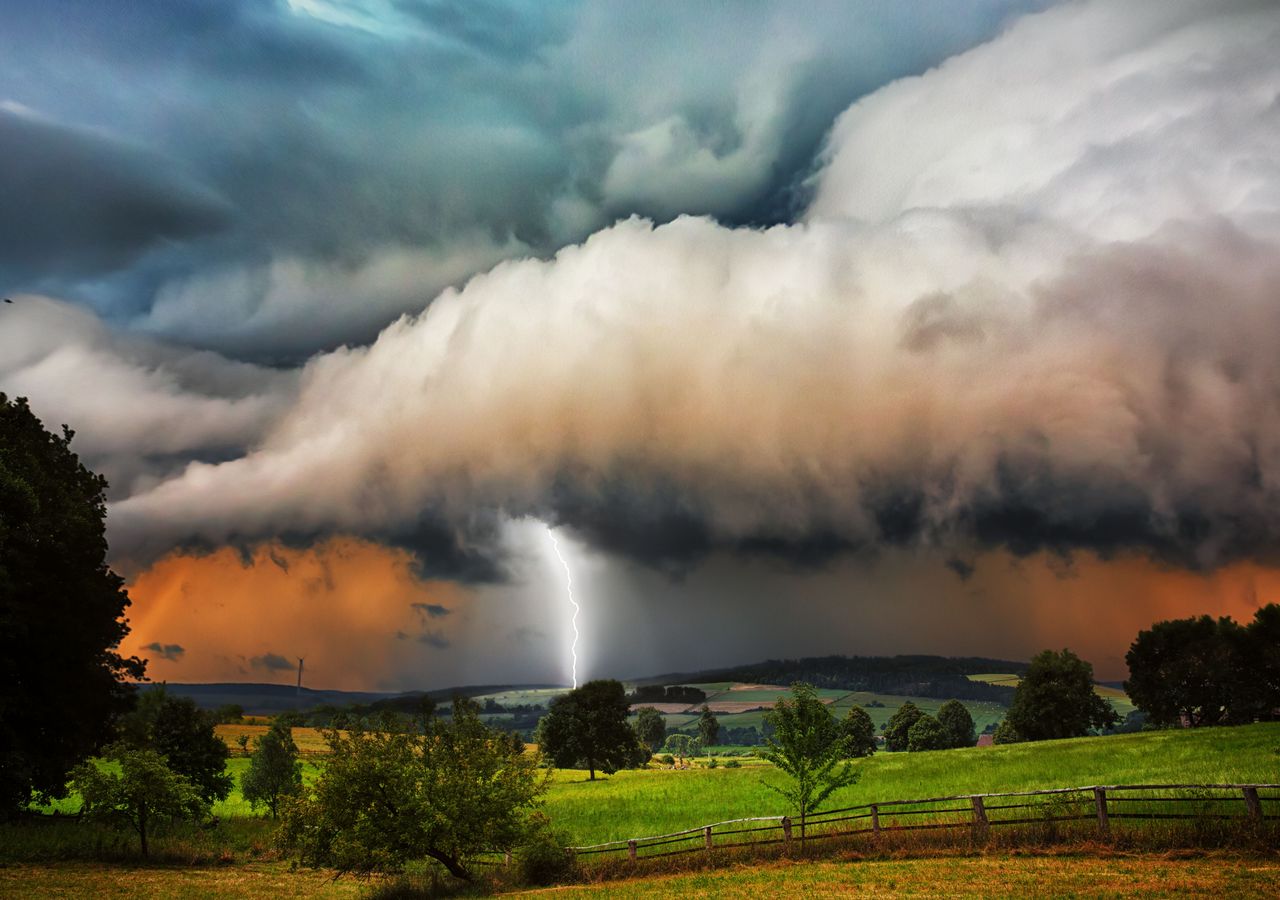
[(874, 329)]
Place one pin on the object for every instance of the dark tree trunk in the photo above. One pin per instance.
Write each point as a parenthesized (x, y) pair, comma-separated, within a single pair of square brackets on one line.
[(455, 868), (142, 828)]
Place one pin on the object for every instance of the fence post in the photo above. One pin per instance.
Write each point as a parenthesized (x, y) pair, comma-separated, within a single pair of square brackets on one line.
[(979, 816), (631, 850), (786, 830), (1252, 802), (1104, 821), (706, 837), (875, 819)]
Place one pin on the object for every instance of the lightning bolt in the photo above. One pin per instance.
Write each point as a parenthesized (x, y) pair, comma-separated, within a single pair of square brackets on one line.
[(568, 586)]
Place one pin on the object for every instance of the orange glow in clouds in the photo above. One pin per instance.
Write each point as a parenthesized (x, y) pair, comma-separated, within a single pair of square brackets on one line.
[(347, 606)]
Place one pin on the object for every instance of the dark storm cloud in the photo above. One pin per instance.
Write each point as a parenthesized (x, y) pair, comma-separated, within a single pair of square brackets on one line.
[(271, 662), (375, 153), (431, 610), (171, 652), (78, 202)]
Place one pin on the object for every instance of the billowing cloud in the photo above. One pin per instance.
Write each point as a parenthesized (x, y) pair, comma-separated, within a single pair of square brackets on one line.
[(988, 366), (362, 155)]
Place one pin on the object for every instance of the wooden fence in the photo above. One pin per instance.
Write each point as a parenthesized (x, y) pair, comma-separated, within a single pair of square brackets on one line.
[(976, 813)]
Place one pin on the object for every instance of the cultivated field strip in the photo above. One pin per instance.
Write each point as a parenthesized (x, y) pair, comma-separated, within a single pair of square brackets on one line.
[(1094, 807)]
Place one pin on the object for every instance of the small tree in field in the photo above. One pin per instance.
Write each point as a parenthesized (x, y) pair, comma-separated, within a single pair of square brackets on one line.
[(651, 728), (956, 721), (896, 729), (708, 727), (144, 791), (806, 746), (859, 733), (274, 771), (926, 733), (450, 792), (682, 745)]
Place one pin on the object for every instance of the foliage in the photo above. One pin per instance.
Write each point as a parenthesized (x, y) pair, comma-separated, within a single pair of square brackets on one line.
[(183, 733), (807, 747), (956, 721), (682, 745), (1203, 671), (544, 858), (228, 714), (732, 764), (651, 728), (896, 729), (672, 693), (142, 790), (859, 732), (1055, 699), (274, 771), (927, 733), (588, 727), (1005, 733), (61, 612), (708, 726), (448, 792)]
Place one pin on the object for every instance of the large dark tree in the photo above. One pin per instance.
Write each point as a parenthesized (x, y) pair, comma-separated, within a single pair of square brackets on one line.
[(588, 727), (1205, 671), (956, 720), (651, 728), (1055, 699), (61, 612), (859, 732)]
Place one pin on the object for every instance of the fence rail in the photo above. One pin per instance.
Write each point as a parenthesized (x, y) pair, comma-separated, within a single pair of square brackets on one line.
[(1099, 804)]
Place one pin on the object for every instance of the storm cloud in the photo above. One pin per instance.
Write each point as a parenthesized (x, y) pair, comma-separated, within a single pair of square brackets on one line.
[(272, 178), (1052, 334)]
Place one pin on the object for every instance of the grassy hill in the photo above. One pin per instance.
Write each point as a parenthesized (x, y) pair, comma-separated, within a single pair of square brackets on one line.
[(635, 803)]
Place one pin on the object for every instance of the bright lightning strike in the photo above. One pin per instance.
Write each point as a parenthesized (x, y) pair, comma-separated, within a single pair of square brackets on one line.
[(568, 586)]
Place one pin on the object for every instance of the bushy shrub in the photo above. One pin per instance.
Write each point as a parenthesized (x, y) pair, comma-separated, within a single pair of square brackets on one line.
[(712, 763), (733, 764), (667, 759), (544, 859)]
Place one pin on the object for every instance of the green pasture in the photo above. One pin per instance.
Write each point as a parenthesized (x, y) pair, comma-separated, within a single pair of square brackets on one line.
[(643, 802)]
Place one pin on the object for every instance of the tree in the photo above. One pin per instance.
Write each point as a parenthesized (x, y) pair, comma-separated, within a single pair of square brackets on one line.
[(651, 728), (708, 727), (588, 727), (682, 745), (229, 714), (449, 791), (895, 730), (859, 732), (1005, 733), (927, 733), (183, 733), (62, 681), (956, 721), (274, 771), (1202, 671), (142, 791), (1055, 699), (808, 748)]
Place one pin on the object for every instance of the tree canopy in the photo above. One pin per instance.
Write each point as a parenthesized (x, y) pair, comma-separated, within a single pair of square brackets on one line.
[(926, 733), (274, 771), (139, 789), (449, 791), (1056, 699), (859, 732), (708, 726), (1203, 671), (62, 681), (899, 724), (184, 734), (588, 727), (651, 728), (957, 722)]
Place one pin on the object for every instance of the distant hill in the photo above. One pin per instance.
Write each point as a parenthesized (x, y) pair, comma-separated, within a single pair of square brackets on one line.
[(269, 699), (917, 676)]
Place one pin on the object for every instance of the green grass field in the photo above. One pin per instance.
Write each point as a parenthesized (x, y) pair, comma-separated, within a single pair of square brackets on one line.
[(636, 803)]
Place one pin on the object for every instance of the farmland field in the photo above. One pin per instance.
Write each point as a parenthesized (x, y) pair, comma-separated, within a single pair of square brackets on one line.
[(1118, 698)]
